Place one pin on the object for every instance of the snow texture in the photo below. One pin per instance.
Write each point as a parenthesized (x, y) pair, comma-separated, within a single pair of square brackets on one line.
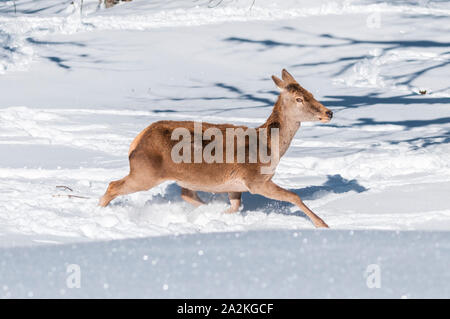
[(261, 264), (78, 85)]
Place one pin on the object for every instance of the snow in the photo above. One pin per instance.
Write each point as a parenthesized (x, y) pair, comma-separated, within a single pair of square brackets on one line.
[(76, 88), (259, 264)]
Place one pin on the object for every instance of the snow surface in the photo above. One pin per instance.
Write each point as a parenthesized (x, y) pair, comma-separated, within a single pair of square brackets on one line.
[(77, 88), (260, 264)]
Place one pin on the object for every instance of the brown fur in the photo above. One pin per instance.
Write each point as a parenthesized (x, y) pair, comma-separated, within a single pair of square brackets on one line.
[(151, 162)]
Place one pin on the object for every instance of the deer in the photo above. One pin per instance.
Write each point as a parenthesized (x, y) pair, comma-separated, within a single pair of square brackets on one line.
[(151, 162)]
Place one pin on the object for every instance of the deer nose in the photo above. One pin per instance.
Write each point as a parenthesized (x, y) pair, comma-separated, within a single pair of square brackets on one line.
[(330, 114)]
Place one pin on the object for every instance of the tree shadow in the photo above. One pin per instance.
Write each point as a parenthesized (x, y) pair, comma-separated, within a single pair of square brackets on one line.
[(344, 101), (237, 95), (332, 41), (40, 42), (391, 43), (52, 53), (59, 62), (387, 46), (14, 8), (415, 143), (242, 95), (265, 44), (425, 141), (407, 124), (353, 101)]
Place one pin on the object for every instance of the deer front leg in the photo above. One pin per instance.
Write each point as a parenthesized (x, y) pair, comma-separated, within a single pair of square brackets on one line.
[(127, 185), (235, 201), (271, 190), (191, 197)]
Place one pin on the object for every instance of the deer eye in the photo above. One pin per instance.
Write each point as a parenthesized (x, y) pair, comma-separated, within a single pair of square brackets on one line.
[(299, 100)]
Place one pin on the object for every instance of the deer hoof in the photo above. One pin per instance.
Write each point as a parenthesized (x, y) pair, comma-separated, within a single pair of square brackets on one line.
[(321, 224), (103, 202), (231, 210)]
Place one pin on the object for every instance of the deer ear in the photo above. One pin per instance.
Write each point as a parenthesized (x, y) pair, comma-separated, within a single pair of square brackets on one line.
[(279, 83), (287, 77)]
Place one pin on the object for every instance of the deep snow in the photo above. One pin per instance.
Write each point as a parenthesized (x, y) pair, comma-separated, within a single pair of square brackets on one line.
[(75, 90)]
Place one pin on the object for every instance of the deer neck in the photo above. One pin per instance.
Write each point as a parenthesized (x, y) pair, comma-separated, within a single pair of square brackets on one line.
[(287, 125)]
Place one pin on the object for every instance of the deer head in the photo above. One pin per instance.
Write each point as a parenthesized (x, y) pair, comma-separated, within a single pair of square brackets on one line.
[(298, 103)]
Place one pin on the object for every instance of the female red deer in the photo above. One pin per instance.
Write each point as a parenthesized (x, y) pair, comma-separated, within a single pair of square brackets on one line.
[(152, 161)]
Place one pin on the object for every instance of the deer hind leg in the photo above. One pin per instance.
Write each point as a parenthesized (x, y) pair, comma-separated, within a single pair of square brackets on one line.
[(191, 197), (235, 201), (124, 186), (271, 190)]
